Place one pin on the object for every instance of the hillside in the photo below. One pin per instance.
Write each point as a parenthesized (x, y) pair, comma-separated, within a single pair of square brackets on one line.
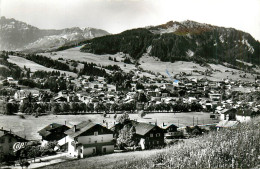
[(182, 41), (19, 35), (227, 148), (152, 65)]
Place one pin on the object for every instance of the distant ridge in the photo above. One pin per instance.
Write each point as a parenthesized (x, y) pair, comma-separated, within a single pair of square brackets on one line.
[(17, 35), (186, 41)]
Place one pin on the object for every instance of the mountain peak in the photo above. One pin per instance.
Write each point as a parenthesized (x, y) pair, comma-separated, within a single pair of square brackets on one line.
[(20, 35)]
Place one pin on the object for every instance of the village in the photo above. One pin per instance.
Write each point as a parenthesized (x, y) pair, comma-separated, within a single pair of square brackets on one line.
[(118, 94)]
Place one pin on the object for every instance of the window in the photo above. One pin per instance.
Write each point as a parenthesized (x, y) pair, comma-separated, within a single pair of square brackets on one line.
[(2, 140), (104, 149), (95, 133), (94, 151), (102, 139), (158, 135), (151, 135), (89, 140), (10, 140), (158, 142)]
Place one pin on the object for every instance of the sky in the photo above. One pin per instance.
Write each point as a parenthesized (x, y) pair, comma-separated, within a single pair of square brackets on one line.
[(116, 16)]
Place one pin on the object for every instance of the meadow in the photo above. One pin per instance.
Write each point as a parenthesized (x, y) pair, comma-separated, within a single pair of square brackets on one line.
[(152, 64), (226, 148), (30, 125), (21, 62)]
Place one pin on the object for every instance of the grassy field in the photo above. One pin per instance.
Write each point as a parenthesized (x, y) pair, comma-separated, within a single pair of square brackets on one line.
[(227, 148), (150, 63), (21, 62), (153, 64), (30, 125)]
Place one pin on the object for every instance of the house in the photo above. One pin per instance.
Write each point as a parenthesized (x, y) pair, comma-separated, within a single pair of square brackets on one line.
[(150, 136), (21, 94), (228, 115), (168, 86), (88, 138), (245, 115), (171, 132), (53, 132), (215, 97), (7, 140)]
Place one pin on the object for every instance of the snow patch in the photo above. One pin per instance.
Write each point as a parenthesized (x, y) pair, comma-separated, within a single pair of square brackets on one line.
[(148, 50), (190, 53), (246, 63), (221, 39), (250, 48)]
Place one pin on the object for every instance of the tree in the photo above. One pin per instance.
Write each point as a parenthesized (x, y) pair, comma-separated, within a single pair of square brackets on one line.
[(123, 118), (24, 163), (9, 109), (142, 98), (55, 108), (74, 107), (126, 137), (82, 107), (100, 107), (114, 107), (141, 113), (65, 107), (139, 86), (90, 107), (33, 152)]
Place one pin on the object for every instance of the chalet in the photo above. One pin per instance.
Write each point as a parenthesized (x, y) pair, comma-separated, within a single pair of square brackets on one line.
[(168, 86), (228, 115), (88, 138), (60, 99), (150, 136), (53, 132), (215, 97), (171, 132), (20, 94), (7, 140), (153, 94), (10, 79), (245, 115)]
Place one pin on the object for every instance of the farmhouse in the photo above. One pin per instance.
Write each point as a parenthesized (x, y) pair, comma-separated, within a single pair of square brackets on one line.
[(53, 132), (245, 115), (7, 140), (150, 135), (171, 132), (21, 94), (88, 138)]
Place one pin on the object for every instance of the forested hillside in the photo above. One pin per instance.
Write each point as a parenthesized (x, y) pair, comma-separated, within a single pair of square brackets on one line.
[(190, 41)]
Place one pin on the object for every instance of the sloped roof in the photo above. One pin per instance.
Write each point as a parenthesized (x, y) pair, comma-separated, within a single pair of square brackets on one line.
[(80, 128), (227, 123), (142, 128), (5, 132), (48, 129)]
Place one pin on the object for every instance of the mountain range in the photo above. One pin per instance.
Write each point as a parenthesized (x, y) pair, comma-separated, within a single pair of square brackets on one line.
[(186, 41), (17, 35), (172, 41)]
